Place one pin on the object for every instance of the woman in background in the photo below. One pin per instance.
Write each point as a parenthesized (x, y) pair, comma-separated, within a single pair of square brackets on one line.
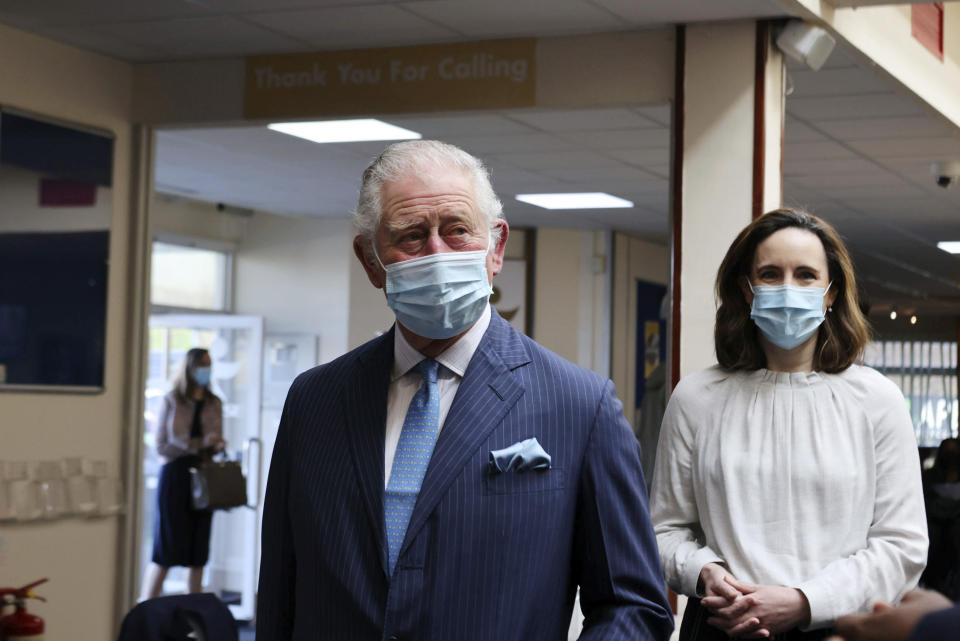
[(787, 486), (189, 424), (941, 489)]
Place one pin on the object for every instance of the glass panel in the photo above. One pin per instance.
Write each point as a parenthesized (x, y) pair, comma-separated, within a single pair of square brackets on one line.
[(56, 208), (235, 345), (189, 277), (926, 373)]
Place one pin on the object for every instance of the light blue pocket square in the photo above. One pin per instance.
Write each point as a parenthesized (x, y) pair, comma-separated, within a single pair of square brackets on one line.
[(520, 457)]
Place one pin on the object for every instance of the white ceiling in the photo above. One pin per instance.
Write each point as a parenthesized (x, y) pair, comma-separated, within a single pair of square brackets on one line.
[(857, 151), (153, 30), (621, 151)]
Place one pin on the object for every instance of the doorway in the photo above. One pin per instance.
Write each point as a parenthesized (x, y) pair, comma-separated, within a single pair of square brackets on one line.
[(235, 344)]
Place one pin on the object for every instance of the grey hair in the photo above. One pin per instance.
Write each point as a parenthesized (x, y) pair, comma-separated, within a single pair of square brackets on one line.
[(421, 156)]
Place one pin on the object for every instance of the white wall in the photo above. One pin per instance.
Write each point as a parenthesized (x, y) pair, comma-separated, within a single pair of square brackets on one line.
[(294, 272), (291, 271), (571, 296), (81, 557)]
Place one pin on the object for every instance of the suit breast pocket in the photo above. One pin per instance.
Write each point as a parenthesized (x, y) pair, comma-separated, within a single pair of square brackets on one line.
[(524, 482)]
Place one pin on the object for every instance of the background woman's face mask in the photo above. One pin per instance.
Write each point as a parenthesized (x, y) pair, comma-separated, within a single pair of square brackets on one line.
[(787, 315), (202, 376)]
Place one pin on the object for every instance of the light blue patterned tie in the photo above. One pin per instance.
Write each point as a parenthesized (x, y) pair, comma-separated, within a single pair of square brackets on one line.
[(417, 438)]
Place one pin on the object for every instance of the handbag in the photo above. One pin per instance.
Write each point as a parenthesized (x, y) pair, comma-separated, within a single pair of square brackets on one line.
[(217, 485)]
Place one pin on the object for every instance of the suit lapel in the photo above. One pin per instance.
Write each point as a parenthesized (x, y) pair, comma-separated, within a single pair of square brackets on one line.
[(487, 392), (365, 413)]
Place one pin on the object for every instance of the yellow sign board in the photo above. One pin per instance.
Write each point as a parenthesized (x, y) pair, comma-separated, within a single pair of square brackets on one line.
[(496, 74)]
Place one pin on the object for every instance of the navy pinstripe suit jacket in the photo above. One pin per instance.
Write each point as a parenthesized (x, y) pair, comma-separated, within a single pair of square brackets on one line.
[(490, 557)]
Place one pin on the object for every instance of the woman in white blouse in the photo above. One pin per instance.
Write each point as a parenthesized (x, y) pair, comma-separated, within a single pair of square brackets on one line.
[(787, 485)]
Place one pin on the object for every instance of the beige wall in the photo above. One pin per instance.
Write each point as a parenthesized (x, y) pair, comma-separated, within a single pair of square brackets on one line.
[(79, 556), (633, 259)]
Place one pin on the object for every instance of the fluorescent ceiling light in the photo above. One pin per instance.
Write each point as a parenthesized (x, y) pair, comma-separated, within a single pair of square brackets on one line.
[(952, 246), (344, 130), (588, 200)]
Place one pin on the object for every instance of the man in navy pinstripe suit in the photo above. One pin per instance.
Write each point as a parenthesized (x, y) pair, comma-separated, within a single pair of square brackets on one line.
[(523, 480)]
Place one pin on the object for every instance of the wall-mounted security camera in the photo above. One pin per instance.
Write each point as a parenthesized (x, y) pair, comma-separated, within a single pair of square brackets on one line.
[(946, 172)]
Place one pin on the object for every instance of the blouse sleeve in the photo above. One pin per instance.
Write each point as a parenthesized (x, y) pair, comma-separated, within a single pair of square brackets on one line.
[(683, 552), (896, 548), (168, 446)]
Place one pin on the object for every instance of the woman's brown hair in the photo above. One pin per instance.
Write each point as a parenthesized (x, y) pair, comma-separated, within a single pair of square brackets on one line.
[(842, 336)]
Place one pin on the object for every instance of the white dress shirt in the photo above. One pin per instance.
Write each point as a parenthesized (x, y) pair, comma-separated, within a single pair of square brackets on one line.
[(405, 380), (806, 480)]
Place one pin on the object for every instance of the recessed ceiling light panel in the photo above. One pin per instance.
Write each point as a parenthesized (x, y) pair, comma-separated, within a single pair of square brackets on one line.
[(357, 130), (952, 246), (585, 200)]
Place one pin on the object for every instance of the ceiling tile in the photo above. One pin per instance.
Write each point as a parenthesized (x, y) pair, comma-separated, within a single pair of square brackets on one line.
[(930, 148), (441, 126), (220, 36), (620, 139), (516, 143), (846, 107), (797, 131), (622, 177), (74, 12), (660, 114), (246, 6), (671, 11), (556, 160), (816, 151), (641, 157), (94, 38), (836, 82), (345, 27), (583, 119), (504, 18), (877, 128), (826, 168)]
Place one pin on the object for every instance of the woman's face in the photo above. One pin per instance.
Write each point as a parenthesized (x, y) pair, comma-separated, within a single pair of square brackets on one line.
[(791, 256)]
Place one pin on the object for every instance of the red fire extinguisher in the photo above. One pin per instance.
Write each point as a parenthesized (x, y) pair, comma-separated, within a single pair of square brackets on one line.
[(21, 625)]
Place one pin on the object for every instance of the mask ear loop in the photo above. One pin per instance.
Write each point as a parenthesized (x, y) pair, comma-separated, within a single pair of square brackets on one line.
[(373, 248)]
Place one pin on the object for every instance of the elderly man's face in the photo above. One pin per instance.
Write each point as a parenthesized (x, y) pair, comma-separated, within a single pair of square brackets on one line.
[(431, 214)]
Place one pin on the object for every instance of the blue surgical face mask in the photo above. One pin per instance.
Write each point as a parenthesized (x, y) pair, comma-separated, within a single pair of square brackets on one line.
[(787, 315), (202, 376), (440, 295)]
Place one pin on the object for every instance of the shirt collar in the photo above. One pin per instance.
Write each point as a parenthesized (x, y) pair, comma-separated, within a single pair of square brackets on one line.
[(455, 358)]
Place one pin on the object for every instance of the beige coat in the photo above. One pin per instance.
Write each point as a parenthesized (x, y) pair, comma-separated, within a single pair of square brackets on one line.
[(172, 429)]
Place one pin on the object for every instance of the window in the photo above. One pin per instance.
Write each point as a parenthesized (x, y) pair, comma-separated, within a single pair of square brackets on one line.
[(190, 277), (926, 372)]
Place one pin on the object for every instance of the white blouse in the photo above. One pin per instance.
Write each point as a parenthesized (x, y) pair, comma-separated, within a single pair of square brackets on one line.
[(807, 480)]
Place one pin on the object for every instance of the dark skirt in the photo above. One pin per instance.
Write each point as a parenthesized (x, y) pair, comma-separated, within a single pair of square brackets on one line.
[(181, 535), (696, 628)]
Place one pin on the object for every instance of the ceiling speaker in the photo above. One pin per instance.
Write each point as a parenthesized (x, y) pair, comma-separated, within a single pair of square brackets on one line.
[(806, 43)]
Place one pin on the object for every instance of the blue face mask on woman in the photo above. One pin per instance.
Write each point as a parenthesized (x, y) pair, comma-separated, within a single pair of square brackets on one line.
[(202, 376), (440, 295), (787, 315)]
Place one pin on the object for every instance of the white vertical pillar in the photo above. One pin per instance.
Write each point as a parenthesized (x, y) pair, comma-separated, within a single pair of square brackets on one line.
[(726, 164)]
